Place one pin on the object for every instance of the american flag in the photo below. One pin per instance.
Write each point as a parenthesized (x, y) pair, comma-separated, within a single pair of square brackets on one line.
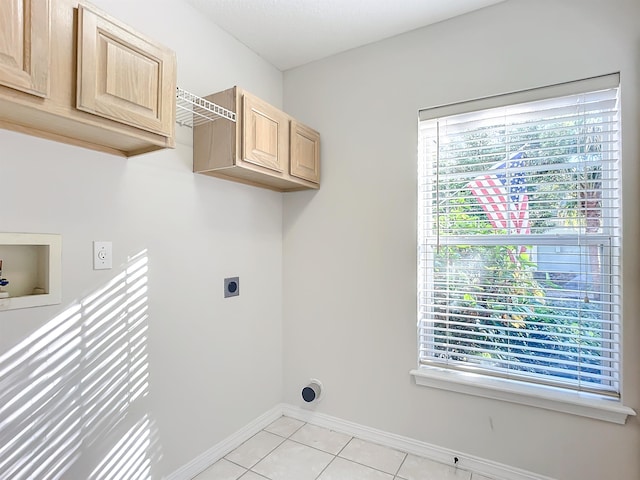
[(502, 193)]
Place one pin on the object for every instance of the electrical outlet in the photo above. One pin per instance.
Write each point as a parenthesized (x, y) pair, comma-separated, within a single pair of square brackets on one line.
[(102, 255), (231, 287)]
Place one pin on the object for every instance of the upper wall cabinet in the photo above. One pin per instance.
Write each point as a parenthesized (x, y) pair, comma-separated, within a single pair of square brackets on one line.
[(264, 147), (109, 88), (266, 134), (25, 45), (305, 152), (122, 75)]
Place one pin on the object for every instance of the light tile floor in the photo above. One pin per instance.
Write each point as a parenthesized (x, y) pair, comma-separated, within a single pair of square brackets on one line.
[(289, 449)]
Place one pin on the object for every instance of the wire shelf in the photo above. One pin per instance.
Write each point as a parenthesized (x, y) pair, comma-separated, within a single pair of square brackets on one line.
[(192, 110)]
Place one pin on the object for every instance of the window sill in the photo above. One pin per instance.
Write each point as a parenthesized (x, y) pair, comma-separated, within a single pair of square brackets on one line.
[(582, 404)]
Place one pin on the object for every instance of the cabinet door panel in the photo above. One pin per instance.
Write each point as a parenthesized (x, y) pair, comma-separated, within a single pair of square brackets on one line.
[(265, 134), (25, 45), (305, 152), (123, 76)]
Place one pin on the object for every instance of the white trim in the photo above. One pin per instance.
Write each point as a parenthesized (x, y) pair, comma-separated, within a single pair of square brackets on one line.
[(549, 398), (415, 447), (218, 451), (540, 93)]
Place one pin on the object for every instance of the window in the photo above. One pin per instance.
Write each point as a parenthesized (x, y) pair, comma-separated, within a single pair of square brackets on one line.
[(519, 237)]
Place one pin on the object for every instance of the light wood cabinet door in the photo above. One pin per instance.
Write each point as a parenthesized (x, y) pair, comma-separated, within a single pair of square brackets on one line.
[(25, 45), (305, 152), (265, 135), (259, 147), (124, 76)]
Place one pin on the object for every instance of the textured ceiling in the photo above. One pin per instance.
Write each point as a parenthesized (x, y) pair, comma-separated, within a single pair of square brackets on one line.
[(289, 33)]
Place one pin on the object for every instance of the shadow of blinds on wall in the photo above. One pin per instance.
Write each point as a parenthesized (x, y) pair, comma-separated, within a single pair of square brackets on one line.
[(519, 236)]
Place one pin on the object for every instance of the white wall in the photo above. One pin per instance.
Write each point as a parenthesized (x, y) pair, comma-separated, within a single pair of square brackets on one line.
[(350, 249), (199, 350)]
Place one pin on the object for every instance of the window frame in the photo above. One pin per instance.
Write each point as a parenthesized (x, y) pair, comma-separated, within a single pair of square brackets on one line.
[(593, 405)]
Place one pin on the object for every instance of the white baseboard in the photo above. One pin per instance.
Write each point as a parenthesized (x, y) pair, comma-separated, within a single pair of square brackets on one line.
[(470, 463), (488, 468), (211, 456)]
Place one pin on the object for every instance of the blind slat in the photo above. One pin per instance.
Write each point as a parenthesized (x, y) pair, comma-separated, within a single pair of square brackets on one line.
[(510, 359)]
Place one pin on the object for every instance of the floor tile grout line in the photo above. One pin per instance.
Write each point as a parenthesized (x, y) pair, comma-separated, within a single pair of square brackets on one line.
[(269, 453), (250, 438), (232, 463), (344, 446), (315, 448), (334, 455), (406, 455), (337, 455), (326, 466), (261, 458), (370, 466), (256, 473), (283, 438), (288, 436)]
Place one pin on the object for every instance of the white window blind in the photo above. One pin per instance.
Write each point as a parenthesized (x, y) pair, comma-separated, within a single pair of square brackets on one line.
[(519, 236)]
